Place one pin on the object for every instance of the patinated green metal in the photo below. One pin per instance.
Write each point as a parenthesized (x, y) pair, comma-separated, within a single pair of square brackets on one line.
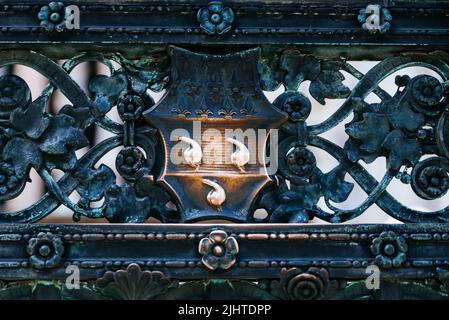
[(213, 61)]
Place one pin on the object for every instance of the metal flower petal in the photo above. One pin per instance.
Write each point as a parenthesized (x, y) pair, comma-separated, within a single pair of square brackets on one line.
[(215, 6), (232, 245), (203, 15), (204, 245), (218, 236), (228, 15)]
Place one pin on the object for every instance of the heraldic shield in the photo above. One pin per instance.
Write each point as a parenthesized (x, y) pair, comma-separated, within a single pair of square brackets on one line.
[(214, 121)]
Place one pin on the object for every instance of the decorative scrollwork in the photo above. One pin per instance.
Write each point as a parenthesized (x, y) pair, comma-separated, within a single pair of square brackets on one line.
[(414, 118), (31, 137), (404, 128)]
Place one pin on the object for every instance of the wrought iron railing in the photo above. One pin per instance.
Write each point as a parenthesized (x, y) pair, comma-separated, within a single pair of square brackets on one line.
[(214, 149)]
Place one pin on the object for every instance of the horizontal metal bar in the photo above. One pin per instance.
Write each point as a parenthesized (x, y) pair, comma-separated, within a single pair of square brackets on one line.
[(418, 23), (264, 249)]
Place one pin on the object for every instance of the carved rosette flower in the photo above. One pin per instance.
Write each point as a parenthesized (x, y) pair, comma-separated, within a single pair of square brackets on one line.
[(426, 92), (45, 250), (430, 179), (295, 104), (301, 162), (53, 16), (435, 181), (297, 285), (129, 162), (14, 93), (215, 18), (134, 284), (218, 250), (130, 107), (389, 249)]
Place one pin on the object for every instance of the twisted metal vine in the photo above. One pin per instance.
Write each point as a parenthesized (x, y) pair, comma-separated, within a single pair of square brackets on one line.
[(409, 129)]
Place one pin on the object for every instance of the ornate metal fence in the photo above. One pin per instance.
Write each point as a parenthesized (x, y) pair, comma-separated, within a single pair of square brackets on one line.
[(215, 63)]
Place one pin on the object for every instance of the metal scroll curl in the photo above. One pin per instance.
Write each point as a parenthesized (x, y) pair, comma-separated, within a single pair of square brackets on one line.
[(31, 137)]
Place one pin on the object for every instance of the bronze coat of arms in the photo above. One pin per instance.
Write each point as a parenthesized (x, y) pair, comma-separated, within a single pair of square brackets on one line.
[(214, 121)]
